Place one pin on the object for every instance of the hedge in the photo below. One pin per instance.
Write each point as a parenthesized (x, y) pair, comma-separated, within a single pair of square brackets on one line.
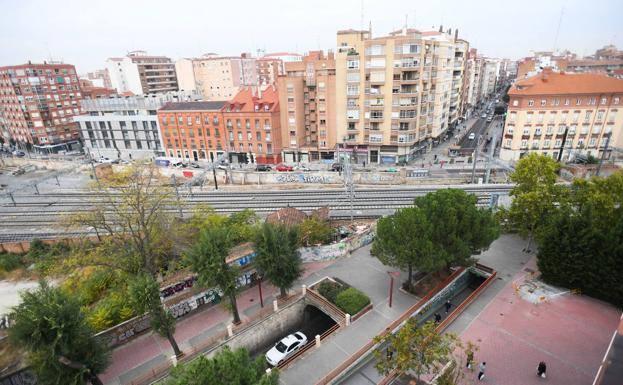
[(351, 301)]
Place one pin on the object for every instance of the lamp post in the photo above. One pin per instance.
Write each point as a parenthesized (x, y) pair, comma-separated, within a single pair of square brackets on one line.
[(259, 286), (392, 274)]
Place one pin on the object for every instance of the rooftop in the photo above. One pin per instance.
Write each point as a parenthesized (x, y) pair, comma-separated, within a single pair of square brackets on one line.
[(192, 106), (549, 82)]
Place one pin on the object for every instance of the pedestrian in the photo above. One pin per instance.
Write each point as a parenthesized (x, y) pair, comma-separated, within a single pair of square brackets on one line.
[(481, 372), (437, 318), (390, 353), (470, 359), (541, 369), (448, 306)]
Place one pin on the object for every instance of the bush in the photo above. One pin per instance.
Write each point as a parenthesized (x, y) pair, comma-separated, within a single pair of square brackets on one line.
[(330, 290), (10, 262), (351, 301), (313, 231)]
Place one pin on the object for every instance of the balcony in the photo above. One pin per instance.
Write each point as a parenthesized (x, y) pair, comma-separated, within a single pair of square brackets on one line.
[(267, 127)]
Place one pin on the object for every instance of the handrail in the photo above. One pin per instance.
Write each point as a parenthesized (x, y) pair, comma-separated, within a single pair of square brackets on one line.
[(350, 360), (308, 346), (339, 312)]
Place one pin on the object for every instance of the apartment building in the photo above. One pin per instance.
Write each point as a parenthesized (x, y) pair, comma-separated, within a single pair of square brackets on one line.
[(491, 69), (140, 73), (458, 89), (272, 65), (119, 127), (554, 112), (473, 76), (99, 78), (217, 77), (392, 93), (307, 103), (37, 106), (253, 126), (193, 131), (91, 91)]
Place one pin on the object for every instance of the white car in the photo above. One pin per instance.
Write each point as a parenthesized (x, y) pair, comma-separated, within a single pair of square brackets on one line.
[(472, 136), (285, 348)]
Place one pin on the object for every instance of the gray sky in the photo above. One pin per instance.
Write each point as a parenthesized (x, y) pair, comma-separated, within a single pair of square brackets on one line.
[(86, 32)]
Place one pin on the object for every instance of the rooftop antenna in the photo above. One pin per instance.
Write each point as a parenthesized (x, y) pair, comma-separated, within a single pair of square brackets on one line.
[(562, 11)]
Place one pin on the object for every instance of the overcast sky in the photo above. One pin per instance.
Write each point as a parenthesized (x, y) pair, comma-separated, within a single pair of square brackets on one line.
[(86, 32)]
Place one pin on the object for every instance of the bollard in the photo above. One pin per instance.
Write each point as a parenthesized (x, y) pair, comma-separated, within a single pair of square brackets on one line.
[(174, 360), (230, 330), (275, 306), (304, 289), (347, 319), (317, 340)]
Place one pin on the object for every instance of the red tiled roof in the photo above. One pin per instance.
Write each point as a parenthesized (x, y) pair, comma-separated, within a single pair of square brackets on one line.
[(549, 82), (246, 99)]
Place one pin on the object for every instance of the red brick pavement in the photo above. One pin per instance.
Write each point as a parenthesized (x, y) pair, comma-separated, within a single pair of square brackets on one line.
[(569, 332), (150, 346)]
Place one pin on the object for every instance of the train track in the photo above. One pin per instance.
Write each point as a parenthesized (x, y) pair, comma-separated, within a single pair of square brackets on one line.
[(38, 216)]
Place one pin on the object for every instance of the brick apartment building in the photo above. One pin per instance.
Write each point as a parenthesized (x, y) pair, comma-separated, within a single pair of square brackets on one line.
[(253, 126), (556, 111), (193, 130), (37, 106), (307, 103)]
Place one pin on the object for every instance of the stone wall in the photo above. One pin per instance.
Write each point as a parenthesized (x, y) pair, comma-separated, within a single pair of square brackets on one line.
[(339, 249)]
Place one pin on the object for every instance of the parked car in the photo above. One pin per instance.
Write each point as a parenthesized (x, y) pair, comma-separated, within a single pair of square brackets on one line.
[(301, 168), (262, 167), (472, 136), (195, 165), (19, 153), (489, 118), (284, 167), (105, 160), (285, 348), (336, 167), (483, 115)]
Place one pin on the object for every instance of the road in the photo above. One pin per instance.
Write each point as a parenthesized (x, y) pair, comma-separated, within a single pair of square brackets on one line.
[(38, 216)]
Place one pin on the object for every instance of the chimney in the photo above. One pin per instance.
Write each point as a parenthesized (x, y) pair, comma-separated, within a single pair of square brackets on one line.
[(456, 34), (441, 28)]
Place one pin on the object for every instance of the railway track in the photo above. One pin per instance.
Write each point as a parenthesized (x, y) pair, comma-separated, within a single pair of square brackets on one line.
[(38, 216)]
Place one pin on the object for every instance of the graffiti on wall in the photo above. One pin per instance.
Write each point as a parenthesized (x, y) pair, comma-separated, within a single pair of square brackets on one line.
[(337, 250), (302, 178)]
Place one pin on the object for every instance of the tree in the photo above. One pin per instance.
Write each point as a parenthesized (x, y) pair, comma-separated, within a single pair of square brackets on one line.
[(458, 229), (278, 258), (414, 349), (60, 344), (133, 215), (208, 259), (144, 295), (226, 367), (313, 231), (403, 240), (535, 194), (580, 244)]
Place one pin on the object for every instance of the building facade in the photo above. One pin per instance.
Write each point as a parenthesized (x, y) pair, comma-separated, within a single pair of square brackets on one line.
[(99, 78), (140, 73), (392, 93), (554, 112), (217, 77), (458, 87), (193, 131), (125, 127), (253, 126), (37, 106), (474, 75), (307, 104)]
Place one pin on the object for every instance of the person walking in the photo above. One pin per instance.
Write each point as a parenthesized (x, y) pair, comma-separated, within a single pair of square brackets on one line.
[(437, 318), (541, 369), (481, 371), (448, 306)]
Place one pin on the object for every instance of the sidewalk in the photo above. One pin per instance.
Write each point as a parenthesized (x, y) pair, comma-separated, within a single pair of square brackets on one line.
[(142, 354)]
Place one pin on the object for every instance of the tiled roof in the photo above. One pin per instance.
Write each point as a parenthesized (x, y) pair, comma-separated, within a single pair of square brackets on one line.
[(192, 106), (246, 99), (549, 82), (288, 216)]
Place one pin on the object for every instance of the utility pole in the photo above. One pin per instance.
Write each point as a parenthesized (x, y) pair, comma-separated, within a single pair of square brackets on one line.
[(475, 158), (490, 158), (562, 146), (177, 194), (348, 183), (603, 156), (213, 170)]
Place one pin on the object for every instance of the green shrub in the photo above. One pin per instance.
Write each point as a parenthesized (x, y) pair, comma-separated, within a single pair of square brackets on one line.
[(10, 262), (351, 301), (330, 290)]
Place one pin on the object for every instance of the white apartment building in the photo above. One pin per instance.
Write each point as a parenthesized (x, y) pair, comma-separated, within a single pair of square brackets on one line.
[(393, 93), (140, 73), (125, 127)]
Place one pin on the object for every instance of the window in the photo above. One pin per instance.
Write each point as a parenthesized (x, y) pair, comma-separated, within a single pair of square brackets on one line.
[(352, 77), (578, 101), (526, 131), (604, 100), (508, 142), (567, 102), (535, 144), (376, 49), (530, 103), (529, 118), (239, 135), (524, 143), (352, 64), (546, 143), (537, 132), (515, 103), (615, 100), (550, 129), (258, 136), (352, 89), (558, 142), (509, 130), (513, 116), (600, 115), (543, 102), (555, 102), (587, 116)]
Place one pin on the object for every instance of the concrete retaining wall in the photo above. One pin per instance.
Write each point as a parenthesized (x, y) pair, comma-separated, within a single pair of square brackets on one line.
[(339, 249), (270, 328)]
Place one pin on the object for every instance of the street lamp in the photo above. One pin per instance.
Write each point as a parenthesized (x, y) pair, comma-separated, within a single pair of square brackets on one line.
[(392, 274)]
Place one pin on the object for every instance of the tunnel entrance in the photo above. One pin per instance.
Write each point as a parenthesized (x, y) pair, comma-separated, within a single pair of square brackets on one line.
[(312, 322)]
